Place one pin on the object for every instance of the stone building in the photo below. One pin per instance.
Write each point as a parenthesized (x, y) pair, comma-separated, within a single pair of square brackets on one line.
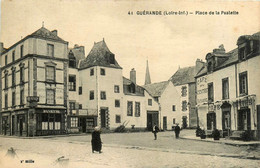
[(34, 85), (184, 81), (228, 89)]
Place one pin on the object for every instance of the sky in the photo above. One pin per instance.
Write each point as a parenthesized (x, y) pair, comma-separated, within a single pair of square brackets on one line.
[(167, 42)]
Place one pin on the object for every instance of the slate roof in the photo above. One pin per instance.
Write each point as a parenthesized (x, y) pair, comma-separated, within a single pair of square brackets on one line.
[(40, 33), (139, 91), (184, 76), (156, 89), (99, 56), (255, 36), (231, 60), (46, 34), (77, 52)]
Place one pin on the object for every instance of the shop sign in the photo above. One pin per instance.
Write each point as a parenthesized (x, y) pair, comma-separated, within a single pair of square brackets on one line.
[(51, 111), (244, 103), (32, 99)]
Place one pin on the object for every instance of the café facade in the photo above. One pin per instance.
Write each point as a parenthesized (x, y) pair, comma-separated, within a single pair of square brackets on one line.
[(227, 89)]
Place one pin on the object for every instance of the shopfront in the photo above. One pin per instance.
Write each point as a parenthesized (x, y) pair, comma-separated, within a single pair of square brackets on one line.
[(50, 121)]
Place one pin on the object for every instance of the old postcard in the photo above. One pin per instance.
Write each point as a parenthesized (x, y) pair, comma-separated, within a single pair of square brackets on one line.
[(88, 83)]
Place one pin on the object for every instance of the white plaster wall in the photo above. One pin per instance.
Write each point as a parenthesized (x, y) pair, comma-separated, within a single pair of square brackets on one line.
[(170, 97)]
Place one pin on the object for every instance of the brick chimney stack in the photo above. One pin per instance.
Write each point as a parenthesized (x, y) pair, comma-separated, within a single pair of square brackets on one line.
[(133, 75)]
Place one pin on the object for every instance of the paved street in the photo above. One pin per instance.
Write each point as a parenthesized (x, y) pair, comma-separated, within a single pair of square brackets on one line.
[(125, 150)]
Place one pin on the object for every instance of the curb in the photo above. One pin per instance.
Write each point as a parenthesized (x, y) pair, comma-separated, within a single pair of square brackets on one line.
[(221, 142)]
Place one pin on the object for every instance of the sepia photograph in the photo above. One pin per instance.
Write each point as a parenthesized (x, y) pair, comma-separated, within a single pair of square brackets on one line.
[(129, 84)]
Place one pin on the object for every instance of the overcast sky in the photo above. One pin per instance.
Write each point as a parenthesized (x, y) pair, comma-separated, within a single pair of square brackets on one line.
[(166, 41)]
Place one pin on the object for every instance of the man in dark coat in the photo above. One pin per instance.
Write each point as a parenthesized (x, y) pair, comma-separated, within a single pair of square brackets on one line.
[(155, 131), (96, 140), (177, 131)]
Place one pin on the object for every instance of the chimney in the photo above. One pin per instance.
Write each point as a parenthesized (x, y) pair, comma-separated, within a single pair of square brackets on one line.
[(199, 65), (133, 75), (55, 32), (1, 47)]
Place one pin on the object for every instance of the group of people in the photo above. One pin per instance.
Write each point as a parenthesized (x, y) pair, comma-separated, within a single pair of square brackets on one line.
[(156, 129), (97, 143)]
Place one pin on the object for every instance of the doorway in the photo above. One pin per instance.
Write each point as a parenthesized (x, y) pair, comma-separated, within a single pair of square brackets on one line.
[(103, 117), (165, 123), (184, 121), (13, 125), (20, 126), (152, 117), (244, 119)]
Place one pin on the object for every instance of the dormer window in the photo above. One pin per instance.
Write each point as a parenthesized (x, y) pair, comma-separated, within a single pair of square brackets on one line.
[(72, 60), (131, 88), (210, 67), (112, 59), (242, 53)]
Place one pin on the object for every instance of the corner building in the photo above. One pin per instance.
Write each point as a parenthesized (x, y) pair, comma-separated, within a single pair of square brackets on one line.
[(34, 68), (228, 89)]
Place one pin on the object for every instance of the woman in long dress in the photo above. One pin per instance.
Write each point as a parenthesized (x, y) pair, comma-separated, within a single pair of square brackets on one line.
[(96, 140)]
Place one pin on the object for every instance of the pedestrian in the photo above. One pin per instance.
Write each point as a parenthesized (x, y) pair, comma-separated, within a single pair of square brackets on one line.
[(96, 140), (155, 131), (177, 131)]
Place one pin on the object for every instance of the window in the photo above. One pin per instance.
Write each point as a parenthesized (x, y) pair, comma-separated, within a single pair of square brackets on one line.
[(102, 71), (150, 102), (112, 59), (117, 103), (72, 82), (13, 98), (13, 77), (242, 53), (50, 50), (50, 73), (6, 101), (92, 72), (103, 95), (131, 88), (91, 95), (21, 97), (57, 121), (184, 91), (173, 108), (21, 75), (210, 93), (173, 121), (74, 122), (129, 108), (80, 106), (21, 51), (243, 83), (118, 119), (80, 90), (50, 96), (137, 109), (6, 80), (6, 60), (116, 89), (72, 63), (156, 99), (225, 90), (256, 46), (72, 106), (184, 105), (13, 56)]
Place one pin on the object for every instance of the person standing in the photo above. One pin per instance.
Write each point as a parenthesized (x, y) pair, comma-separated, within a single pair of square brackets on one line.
[(155, 131), (177, 131), (96, 140)]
